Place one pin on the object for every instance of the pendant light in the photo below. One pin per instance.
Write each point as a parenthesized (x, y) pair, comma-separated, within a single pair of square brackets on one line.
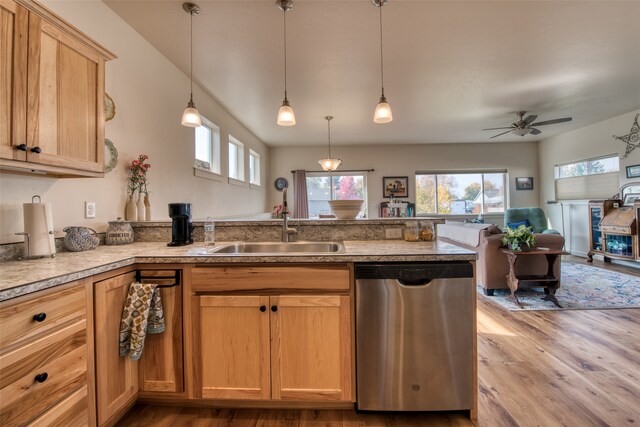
[(286, 116), (382, 114), (191, 116), (329, 164)]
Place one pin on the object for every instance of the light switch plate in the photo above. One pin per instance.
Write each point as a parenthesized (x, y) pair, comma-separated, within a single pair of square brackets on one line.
[(89, 209), (393, 233)]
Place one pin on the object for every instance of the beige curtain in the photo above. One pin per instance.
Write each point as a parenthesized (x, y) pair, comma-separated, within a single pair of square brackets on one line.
[(300, 194)]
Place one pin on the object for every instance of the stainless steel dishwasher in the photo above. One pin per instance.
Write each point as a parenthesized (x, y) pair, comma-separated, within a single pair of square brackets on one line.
[(414, 336)]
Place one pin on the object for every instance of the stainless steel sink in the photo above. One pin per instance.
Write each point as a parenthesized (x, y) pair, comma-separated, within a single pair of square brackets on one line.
[(295, 248)]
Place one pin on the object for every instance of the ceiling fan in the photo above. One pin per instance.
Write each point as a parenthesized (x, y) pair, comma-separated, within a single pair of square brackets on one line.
[(524, 126)]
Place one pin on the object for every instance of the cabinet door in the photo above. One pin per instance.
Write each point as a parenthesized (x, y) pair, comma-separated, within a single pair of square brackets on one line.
[(311, 348), (65, 100), (161, 362), (232, 344), (116, 377), (14, 25)]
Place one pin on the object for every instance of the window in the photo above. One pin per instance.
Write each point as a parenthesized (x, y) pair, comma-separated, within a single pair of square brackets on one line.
[(588, 167), (462, 193), (236, 159), (254, 168), (207, 139), (322, 187), (596, 178)]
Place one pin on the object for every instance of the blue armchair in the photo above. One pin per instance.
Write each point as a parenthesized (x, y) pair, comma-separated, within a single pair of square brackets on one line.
[(536, 217)]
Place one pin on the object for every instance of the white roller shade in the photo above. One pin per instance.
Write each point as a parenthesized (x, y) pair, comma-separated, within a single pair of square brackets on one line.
[(599, 186)]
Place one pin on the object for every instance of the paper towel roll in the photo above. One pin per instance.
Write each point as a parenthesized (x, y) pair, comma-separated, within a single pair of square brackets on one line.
[(38, 223)]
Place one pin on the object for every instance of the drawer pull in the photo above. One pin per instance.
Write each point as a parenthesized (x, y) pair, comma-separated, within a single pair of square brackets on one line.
[(42, 377), (40, 317)]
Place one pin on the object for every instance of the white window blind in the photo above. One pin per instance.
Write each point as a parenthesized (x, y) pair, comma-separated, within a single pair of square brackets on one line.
[(599, 186)]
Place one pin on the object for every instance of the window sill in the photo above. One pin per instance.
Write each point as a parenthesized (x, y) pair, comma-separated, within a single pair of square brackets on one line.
[(201, 173), (255, 186), (237, 182)]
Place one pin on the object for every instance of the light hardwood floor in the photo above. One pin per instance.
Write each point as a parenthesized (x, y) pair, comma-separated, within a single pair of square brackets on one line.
[(539, 368)]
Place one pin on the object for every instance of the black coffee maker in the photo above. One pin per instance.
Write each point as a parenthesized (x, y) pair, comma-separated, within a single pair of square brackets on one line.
[(180, 214)]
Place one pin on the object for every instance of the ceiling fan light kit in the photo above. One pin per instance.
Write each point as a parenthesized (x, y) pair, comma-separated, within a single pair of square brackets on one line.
[(525, 126), (286, 116), (382, 113), (329, 163), (191, 115)]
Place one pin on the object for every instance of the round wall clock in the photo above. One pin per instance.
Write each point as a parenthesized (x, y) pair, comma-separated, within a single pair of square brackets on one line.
[(281, 183)]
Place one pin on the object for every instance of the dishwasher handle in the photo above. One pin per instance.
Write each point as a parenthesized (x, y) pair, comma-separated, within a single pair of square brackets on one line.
[(414, 282)]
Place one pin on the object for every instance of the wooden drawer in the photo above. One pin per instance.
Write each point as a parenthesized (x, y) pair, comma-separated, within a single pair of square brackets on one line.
[(334, 277), (72, 411), (62, 355), (60, 304)]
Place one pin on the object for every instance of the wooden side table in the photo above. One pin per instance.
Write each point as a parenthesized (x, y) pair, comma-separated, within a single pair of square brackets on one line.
[(548, 281)]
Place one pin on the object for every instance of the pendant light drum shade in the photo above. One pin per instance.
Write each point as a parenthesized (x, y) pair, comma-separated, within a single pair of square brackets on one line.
[(191, 115)]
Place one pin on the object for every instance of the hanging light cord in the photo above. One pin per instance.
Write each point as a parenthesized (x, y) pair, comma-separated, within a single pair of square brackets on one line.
[(381, 57), (284, 19), (191, 42), (329, 133)]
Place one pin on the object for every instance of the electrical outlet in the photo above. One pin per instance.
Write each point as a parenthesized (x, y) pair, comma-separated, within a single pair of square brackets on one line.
[(393, 233), (89, 209)]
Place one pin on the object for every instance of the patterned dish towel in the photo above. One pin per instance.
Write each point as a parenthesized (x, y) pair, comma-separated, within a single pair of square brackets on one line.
[(142, 314)]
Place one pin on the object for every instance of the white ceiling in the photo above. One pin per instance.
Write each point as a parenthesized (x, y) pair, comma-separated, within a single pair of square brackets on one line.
[(451, 67)]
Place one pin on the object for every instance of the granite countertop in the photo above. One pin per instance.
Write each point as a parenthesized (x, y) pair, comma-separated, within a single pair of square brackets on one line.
[(27, 276)]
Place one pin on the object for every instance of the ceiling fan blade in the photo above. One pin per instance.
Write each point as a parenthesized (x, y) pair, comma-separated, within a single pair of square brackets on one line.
[(498, 128), (552, 122), (494, 136), (534, 131), (530, 118)]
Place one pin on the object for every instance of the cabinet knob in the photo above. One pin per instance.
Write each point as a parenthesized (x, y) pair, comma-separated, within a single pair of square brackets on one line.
[(21, 147), (274, 308), (36, 150), (40, 317), (263, 308), (42, 377)]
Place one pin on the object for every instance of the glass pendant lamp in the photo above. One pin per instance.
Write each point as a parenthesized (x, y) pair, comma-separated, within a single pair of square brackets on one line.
[(286, 116), (329, 163), (382, 113), (191, 115)]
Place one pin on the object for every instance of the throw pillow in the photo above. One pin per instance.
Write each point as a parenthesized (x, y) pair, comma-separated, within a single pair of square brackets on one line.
[(517, 224)]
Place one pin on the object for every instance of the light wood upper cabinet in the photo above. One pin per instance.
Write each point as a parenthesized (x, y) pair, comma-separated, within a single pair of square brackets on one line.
[(52, 80)]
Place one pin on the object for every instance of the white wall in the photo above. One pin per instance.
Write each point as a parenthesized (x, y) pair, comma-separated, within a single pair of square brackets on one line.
[(590, 141), (520, 159), (149, 93)]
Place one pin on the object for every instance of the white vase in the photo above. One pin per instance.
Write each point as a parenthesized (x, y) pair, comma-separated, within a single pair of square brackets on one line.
[(147, 208), (131, 210), (141, 210)]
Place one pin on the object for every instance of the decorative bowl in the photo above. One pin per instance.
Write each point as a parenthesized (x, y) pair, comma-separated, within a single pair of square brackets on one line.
[(346, 209)]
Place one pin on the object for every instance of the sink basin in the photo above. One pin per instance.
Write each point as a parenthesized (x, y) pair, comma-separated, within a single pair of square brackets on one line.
[(300, 248)]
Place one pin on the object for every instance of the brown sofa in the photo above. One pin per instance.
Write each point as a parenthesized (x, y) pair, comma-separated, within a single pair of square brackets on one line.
[(492, 266)]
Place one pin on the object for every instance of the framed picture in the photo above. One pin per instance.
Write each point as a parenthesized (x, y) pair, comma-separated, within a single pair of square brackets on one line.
[(396, 186), (524, 183), (633, 171), (630, 198)]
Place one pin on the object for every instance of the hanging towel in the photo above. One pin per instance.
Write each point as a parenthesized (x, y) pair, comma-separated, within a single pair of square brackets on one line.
[(142, 315)]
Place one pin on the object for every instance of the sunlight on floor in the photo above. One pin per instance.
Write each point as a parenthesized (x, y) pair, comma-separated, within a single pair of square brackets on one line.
[(489, 325)]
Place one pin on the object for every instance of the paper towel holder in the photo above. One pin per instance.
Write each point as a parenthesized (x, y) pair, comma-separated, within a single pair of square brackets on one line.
[(27, 240)]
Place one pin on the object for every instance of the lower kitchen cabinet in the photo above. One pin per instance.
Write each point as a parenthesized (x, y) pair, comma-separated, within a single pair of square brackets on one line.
[(120, 380), (46, 369), (289, 347)]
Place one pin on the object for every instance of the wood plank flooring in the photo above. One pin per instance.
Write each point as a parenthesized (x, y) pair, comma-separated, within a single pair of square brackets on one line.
[(536, 368)]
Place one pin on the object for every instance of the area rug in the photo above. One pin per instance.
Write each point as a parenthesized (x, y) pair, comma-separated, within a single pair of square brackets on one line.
[(583, 287)]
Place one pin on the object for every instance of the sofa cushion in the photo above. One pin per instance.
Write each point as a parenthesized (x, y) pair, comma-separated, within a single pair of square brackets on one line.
[(466, 234), (517, 224)]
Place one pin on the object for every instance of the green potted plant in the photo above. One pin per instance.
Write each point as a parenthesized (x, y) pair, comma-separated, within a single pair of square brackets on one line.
[(519, 239)]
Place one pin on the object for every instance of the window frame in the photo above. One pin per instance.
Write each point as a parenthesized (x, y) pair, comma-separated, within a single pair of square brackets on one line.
[(255, 168), (239, 163), (482, 173), (215, 163), (557, 167), (330, 175)]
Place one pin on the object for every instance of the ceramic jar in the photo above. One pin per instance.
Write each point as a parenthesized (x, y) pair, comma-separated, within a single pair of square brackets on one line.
[(80, 239), (119, 232)]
